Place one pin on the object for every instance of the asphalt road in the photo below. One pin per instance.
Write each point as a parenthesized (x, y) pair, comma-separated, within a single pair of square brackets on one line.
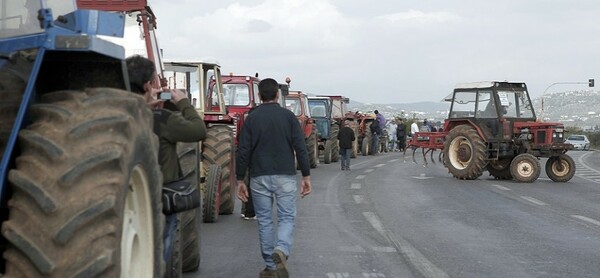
[(390, 218)]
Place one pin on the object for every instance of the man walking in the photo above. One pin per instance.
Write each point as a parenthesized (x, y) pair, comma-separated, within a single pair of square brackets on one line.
[(345, 138), (267, 143)]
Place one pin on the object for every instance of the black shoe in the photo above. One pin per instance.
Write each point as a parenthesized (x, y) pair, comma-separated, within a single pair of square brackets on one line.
[(268, 273)]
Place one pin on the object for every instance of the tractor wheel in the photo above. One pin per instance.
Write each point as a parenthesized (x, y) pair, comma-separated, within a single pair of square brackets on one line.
[(354, 148), (366, 146), (561, 171), (464, 153), (218, 148), (525, 168), (190, 241), (86, 189), (500, 169), (383, 144), (11, 93), (327, 152), (335, 146), (211, 198), (312, 145)]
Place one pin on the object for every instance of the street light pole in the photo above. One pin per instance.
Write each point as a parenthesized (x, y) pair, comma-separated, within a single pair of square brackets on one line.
[(561, 83)]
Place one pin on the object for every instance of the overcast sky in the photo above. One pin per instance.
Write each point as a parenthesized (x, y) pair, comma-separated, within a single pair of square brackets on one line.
[(389, 51)]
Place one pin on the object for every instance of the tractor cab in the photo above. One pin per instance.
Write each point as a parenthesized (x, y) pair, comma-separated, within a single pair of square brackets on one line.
[(493, 106)]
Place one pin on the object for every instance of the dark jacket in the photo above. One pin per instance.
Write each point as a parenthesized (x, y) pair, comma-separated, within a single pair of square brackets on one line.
[(401, 131), (184, 125), (375, 128), (270, 136), (345, 138)]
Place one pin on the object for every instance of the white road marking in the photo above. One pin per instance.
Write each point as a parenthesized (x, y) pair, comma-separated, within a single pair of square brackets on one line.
[(393, 160), (355, 186), (386, 249), (360, 177), (501, 187), (369, 170), (379, 165), (587, 219), (338, 275), (354, 249), (359, 199), (372, 275), (374, 221), (533, 200)]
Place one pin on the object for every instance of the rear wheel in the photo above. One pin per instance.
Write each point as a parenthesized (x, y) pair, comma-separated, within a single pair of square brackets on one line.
[(11, 92), (464, 153), (86, 189), (500, 169), (560, 168), (366, 146), (218, 149), (525, 168)]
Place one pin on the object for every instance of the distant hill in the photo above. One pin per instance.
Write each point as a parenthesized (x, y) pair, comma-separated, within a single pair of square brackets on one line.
[(573, 108)]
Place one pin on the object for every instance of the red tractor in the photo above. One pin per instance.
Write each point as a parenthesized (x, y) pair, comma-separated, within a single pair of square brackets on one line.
[(297, 102), (492, 126)]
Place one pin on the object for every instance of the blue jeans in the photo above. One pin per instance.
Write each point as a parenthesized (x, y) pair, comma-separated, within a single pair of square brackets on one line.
[(374, 143), (345, 155), (283, 190)]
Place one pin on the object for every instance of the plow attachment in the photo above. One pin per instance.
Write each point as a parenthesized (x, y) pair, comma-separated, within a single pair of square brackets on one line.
[(428, 142)]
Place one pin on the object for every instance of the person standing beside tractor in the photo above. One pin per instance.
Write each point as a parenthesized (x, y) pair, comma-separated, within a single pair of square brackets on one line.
[(414, 128), (376, 131), (345, 138), (270, 136), (380, 118), (392, 126), (179, 123), (401, 135)]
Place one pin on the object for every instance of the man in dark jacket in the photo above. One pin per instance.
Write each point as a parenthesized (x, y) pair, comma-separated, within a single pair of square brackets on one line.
[(401, 135), (345, 138), (376, 131), (267, 143)]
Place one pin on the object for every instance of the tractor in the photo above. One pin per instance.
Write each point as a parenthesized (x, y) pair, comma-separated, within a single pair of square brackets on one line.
[(329, 114), (297, 102), (218, 147), (80, 183), (364, 135), (492, 126)]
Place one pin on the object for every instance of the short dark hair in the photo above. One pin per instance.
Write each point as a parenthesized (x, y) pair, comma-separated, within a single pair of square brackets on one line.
[(140, 70), (267, 89), (376, 112)]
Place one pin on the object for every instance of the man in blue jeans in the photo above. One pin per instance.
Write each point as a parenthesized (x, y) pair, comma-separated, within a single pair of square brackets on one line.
[(270, 136)]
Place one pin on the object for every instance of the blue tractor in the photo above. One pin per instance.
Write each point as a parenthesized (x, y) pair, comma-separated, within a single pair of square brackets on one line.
[(80, 183)]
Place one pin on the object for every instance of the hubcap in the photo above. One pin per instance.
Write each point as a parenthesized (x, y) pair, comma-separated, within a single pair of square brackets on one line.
[(560, 167), (460, 152), (137, 238), (525, 169)]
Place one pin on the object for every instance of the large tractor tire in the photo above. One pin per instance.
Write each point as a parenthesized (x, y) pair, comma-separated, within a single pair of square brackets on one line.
[(335, 146), (500, 169), (327, 153), (86, 189), (210, 192), (190, 241), (561, 171), (525, 168), (465, 153), (172, 252), (218, 149), (312, 145)]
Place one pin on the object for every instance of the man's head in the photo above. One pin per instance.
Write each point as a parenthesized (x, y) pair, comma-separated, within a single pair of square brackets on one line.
[(267, 89), (141, 73), (376, 112)]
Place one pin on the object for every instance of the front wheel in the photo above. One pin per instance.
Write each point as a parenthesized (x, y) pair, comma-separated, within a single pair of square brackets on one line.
[(560, 168), (210, 193), (525, 168), (327, 152), (500, 169), (313, 148)]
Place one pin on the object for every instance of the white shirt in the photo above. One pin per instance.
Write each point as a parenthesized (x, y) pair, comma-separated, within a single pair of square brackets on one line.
[(414, 127)]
